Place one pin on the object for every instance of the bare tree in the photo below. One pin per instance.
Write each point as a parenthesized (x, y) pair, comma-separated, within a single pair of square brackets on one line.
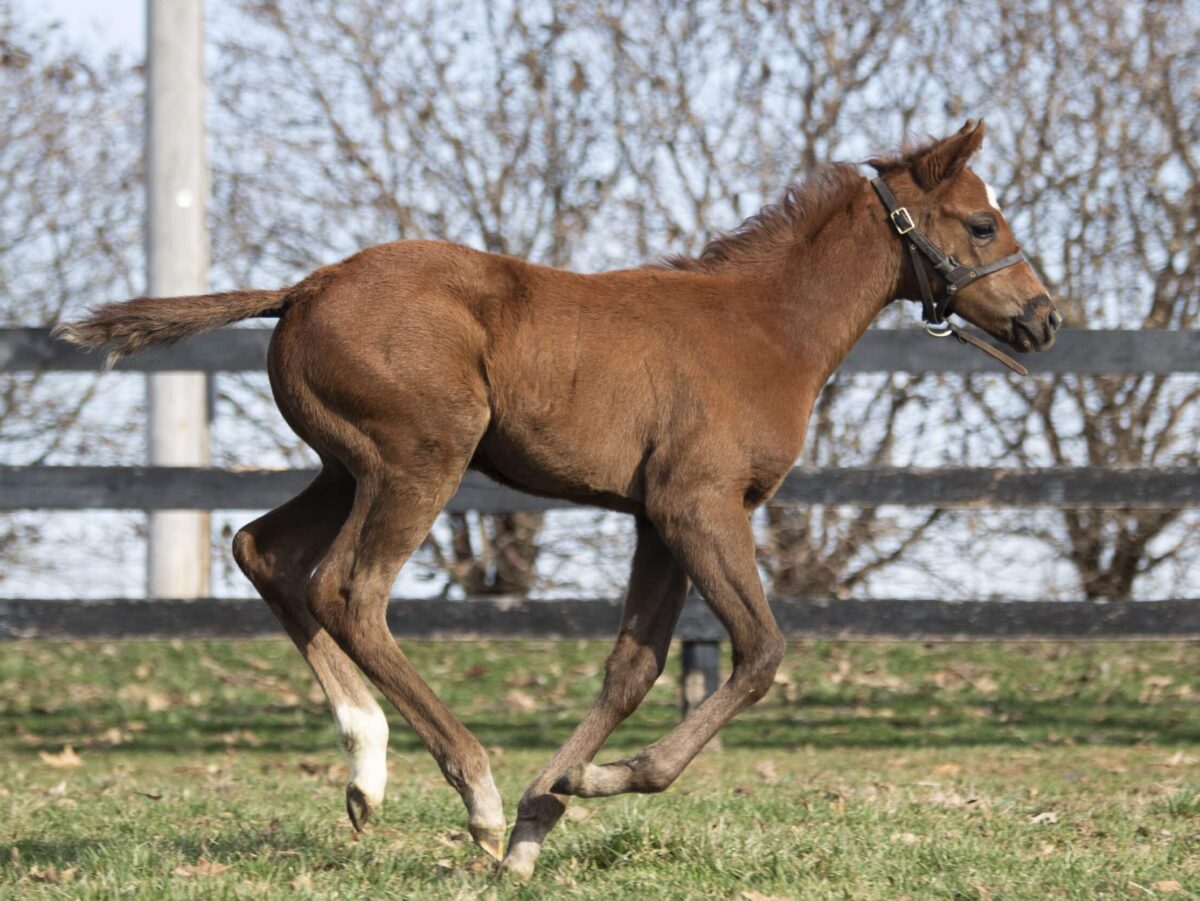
[(723, 105), (1099, 167), (69, 229), (470, 121)]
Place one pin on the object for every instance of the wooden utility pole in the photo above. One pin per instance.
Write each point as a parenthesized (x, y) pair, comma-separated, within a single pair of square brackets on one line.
[(177, 263)]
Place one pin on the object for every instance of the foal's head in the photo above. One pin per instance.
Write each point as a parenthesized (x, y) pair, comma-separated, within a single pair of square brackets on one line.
[(959, 212)]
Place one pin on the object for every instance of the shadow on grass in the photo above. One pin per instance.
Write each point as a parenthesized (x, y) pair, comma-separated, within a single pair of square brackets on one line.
[(84, 849), (912, 720)]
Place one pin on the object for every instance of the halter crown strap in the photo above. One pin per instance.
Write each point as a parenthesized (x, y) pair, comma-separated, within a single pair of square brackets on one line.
[(954, 274)]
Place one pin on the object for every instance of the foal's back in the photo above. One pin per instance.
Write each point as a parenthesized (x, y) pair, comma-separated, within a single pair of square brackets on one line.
[(586, 383)]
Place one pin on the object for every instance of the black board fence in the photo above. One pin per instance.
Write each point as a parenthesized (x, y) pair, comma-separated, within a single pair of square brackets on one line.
[(244, 349)]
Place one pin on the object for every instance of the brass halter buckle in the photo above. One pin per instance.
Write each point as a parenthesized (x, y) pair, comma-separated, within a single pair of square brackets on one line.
[(901, 220)]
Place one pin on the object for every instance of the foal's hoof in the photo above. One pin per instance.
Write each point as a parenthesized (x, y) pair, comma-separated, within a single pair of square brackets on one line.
[(490, 839), (523, 850), (514, 868), (358, 807)]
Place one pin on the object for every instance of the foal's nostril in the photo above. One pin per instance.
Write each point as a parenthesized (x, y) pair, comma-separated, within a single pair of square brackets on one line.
[(1056, 319)]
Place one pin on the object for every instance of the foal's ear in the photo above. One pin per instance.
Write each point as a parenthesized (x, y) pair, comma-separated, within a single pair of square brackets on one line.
[(947, 157)]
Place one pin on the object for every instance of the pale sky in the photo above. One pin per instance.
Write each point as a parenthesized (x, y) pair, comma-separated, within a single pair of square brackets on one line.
[(112, 23)]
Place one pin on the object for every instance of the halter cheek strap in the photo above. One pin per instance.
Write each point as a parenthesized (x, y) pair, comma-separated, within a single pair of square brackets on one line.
[(955, 276)]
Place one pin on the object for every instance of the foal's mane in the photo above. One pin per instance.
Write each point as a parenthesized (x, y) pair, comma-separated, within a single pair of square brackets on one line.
[(803, 211)]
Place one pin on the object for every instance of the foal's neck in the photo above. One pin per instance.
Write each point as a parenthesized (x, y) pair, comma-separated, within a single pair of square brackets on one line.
[(838, 281)]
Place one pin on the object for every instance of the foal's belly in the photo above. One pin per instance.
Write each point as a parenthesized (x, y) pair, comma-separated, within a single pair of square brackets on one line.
[(575, 466)]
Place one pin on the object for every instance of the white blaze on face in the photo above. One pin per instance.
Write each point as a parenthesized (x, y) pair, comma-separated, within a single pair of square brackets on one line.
[(991, 195), (364, 735)]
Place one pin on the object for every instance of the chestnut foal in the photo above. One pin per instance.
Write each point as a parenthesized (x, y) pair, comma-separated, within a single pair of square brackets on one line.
[(679, 393)]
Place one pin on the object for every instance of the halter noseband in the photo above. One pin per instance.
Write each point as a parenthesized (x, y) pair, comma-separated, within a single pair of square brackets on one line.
[(955, 276)]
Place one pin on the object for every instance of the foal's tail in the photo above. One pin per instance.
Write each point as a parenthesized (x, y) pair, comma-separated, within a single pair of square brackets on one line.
[(125, 328)]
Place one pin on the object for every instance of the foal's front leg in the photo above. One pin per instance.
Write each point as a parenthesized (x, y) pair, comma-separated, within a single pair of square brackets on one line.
[(712, 538), (657, 588)]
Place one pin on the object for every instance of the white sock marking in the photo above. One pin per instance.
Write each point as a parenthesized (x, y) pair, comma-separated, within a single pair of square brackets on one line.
[(364, 736)]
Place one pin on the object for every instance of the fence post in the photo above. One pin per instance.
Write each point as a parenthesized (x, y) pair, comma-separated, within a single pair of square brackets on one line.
[(177, 264), (701, 672)]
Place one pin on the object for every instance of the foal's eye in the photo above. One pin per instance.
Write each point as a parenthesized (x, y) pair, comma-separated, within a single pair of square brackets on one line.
[(982, 228)]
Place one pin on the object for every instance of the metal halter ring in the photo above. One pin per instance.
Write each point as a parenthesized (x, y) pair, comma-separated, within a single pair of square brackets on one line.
[(941, 329)]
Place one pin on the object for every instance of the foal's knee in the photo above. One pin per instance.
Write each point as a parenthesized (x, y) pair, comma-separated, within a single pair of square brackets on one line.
[(756, 669)]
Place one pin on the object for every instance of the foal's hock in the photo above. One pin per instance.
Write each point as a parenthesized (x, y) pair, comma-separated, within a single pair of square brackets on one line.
[(678, 392)]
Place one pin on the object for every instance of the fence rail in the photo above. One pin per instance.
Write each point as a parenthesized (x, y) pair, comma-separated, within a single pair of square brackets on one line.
[(511, 618), (1087, 352), (192, 488)]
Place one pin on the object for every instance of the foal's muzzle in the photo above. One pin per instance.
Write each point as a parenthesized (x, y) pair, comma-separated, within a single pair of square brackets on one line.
[(1035, 326)]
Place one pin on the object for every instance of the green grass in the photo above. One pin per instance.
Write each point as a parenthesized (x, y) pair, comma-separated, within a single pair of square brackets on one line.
[(210, 769)]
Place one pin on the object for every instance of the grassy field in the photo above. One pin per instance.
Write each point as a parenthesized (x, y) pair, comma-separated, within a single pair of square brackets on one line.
[(210, 770)]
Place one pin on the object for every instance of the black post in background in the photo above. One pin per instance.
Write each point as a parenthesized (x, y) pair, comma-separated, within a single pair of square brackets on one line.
[(701, 672), (701, 635)]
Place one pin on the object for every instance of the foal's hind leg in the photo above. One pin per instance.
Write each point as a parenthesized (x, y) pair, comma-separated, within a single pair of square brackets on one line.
[(395, 503), (711, 537), (657, 588), (277, 552)]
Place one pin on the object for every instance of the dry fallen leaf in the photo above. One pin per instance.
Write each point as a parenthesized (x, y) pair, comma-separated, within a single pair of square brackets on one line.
[(202, 867), (1046, 816), (766, 772), (52, 874), (65, 759), (947, 769), (759, 896), (1168, 886), (985, 685), (111, 736), (519, 700)]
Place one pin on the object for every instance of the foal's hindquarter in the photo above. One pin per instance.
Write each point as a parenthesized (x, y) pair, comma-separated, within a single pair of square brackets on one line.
[(629, 390)]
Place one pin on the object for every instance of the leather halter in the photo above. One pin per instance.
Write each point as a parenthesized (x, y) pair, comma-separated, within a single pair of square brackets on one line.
[(955, 276)]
